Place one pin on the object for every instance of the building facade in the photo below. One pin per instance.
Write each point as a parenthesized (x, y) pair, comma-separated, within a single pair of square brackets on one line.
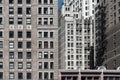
[(28, 39), (89, 75), (109, 48), (76, 34)]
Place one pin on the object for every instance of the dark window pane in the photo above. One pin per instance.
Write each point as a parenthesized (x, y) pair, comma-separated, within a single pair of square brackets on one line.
[(45, 65), (40, 10), (28, 10), (51, 34), (28, 34), (46, 75), (45, 44), (0, 10), (51, 1), (45, 1), (29, 76), (51, 44), (39, 1), (1, 54), (45, 34), (11, 34), (1, 75), (19, 34), (20, 55), (19, 10), (40, 44), (40, 75), (11, 1), (19, 1), (28, 1), (28, 45), (1, 65), (0, 1), (20, 75), (20, 45), (28, 55)]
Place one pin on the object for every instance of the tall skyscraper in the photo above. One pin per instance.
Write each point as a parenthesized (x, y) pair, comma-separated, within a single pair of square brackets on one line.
[(108, 44), (28, 40), (76, 34)]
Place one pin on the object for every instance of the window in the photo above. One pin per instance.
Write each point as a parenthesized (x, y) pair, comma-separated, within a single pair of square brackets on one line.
[(28, 55), (29, 66), (40, 75), (28, 1), (45, 1), (11, 75), (11, 1), (45, 44), (51, 55), (39, 1), (0, 1), (20, 75), (40, 44), (11, 65), (1, 65), (28, 10), (45, 34), (51, 21), (11, 10), (19, 10), (1, 75), (1, 21), (40, 34), (28, 34), (28, 21), (28, 45), (51, 75), (40, 65), (1, 34), (11, 44), (19, 20), (45, 75), (20, 65), (19, 1), (51, 1), (11, 20), (45, 10), (20, 55), (45, 65), (0, 10), (29, 75), (45, 21), (39, 10), (51, 10), (51, 44), (40, 21), (40, 55), (51, 65), (11, 55), (20, 45), (1, 54), (1, 44), (51, 34), (11, 34), (46, 55)]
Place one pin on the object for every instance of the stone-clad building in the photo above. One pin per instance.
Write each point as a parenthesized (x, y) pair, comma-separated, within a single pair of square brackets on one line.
[(28, 39)]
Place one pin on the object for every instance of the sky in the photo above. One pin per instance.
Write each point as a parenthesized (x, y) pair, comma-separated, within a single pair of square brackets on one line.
[(59, 3)]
